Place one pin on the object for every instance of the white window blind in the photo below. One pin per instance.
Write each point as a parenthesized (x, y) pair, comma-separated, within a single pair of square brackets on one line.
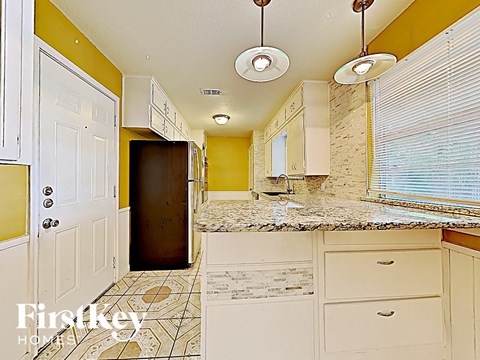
[(426, 121)]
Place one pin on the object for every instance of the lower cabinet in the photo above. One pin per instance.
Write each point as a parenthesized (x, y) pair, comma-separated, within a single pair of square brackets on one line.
[(465, 305), (329, 296), (282, 330)]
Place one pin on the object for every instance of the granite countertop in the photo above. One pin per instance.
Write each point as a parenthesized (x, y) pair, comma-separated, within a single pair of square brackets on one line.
[(322, 213)]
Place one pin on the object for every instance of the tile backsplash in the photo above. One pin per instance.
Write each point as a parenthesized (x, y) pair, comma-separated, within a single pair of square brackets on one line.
[(348, 147)]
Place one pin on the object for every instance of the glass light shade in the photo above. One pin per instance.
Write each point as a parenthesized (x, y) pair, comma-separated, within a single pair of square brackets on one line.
[(221, 119), (365, 68), (247, 68)]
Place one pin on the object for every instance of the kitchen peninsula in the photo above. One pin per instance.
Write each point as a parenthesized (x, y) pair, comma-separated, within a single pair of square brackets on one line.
[(335, 279)]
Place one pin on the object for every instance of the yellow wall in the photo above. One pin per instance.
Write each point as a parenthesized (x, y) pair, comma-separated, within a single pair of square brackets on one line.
[(420, 22), (14, 201), (228, 163), (55, 29)]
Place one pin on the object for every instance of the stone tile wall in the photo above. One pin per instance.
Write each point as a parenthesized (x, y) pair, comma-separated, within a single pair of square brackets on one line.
[(259, 284)]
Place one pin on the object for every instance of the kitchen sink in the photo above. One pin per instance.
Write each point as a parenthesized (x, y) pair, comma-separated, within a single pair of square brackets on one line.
[(274, 193)]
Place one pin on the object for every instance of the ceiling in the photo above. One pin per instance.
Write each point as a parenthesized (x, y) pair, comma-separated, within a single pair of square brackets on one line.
[(193, 44)]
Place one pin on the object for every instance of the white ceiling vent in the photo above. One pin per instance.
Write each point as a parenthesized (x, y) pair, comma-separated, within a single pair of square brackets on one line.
[(211, 92)]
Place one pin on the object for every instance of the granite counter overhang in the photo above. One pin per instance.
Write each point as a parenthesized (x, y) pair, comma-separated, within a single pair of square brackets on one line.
[(323, 214)]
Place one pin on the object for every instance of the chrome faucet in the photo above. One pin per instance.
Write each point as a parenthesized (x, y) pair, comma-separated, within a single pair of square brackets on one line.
[(289, 189)]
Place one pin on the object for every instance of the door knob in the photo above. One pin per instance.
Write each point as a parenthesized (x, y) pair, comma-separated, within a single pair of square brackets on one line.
[(48, 223), (47, 191), (47, 203)]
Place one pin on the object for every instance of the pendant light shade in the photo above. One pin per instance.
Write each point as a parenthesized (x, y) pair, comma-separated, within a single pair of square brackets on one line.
[(262, 63), (367, 66)]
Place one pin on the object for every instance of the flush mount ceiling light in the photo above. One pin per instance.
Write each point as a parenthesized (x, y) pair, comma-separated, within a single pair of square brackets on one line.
[(365, 67), (262, 63), (221, 119)]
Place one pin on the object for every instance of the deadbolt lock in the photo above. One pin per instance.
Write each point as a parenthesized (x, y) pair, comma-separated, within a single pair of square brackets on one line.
[(47, 191)]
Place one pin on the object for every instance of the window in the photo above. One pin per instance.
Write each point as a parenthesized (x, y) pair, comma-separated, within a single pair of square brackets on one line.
[(426, 121)]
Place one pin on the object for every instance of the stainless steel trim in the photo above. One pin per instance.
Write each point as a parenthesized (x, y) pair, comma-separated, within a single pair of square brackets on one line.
[(191, 219)]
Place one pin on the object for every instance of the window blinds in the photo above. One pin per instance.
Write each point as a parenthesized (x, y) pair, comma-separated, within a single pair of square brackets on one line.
[(426, 121)]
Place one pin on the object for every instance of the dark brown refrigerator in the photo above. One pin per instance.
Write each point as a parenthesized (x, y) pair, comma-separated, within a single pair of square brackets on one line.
[(165, 186)]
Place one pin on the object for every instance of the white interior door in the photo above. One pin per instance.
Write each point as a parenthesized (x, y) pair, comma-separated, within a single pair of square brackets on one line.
[(77, 165)]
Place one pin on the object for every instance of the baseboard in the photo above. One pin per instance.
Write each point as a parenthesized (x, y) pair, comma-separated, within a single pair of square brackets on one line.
[(229, 195)]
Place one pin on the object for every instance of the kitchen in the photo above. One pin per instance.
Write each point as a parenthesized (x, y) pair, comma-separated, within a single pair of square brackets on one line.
[(316, 234)]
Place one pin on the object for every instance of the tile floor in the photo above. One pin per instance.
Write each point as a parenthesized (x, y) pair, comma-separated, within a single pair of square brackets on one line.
[(171, 329)]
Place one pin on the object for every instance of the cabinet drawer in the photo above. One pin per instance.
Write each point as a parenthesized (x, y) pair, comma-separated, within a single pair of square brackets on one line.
[(382, 324), (159, 99), (157, 121), (390, 237), (350, 275), (258, 248), (168, 130), (294, 104)]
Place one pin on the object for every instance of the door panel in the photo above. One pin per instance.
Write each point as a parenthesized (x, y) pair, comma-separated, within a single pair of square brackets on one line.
[(66, 261), (77, 160)]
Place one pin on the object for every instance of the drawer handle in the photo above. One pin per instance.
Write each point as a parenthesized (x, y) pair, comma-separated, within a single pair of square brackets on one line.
[(386, 263), (386, 314), (293, 288)]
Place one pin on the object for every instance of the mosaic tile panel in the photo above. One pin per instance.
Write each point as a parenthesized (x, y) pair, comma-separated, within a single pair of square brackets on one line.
[(258, 284)]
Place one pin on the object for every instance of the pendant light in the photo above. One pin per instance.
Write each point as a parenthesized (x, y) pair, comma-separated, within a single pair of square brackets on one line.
[(365, 67), (262, 63)]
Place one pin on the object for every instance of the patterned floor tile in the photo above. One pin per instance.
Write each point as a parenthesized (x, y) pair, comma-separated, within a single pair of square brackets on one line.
[(64, 344), (155, 339), (177, 285), (100, 344), (132, 303), (168, 306), (192, 271), (121, 287), (104, 300), (195, 300), (159, 273), (188, 339), (135, 274), (146, 285), (197, 286), (189, 279)]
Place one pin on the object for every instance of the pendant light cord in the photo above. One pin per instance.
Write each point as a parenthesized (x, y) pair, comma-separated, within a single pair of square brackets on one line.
[(364, 48), (261, 29)]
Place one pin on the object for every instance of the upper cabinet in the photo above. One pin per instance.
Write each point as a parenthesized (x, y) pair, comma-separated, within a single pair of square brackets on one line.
[(148, 108), (301, 132), (16, 79)]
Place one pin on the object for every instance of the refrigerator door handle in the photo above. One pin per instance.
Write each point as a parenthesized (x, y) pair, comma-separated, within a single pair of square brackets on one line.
[(196, 180)]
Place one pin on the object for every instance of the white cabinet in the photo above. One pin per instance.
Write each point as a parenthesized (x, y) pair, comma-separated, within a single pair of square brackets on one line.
[(280, 331), (305, 119), (268, 158), (296, 146), (148, 108), (465, 305), (258, 296), (382, 295), (16, 67)]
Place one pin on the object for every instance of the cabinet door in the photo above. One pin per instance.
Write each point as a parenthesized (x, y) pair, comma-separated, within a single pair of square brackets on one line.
[(169, 130), (463, 306), (277, 330), (268, 158), (159, 99), (157, 122), (295, 146), (10, 79), (294, 104)]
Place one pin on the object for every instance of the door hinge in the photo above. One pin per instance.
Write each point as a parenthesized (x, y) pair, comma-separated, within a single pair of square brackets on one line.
[(114, 191), (115, 120), (114, 262)]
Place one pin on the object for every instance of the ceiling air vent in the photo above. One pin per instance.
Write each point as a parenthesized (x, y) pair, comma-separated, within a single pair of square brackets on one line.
[(211, 92)]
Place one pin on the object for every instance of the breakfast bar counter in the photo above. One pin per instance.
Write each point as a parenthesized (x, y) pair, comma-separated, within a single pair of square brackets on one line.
[(322, 213)]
